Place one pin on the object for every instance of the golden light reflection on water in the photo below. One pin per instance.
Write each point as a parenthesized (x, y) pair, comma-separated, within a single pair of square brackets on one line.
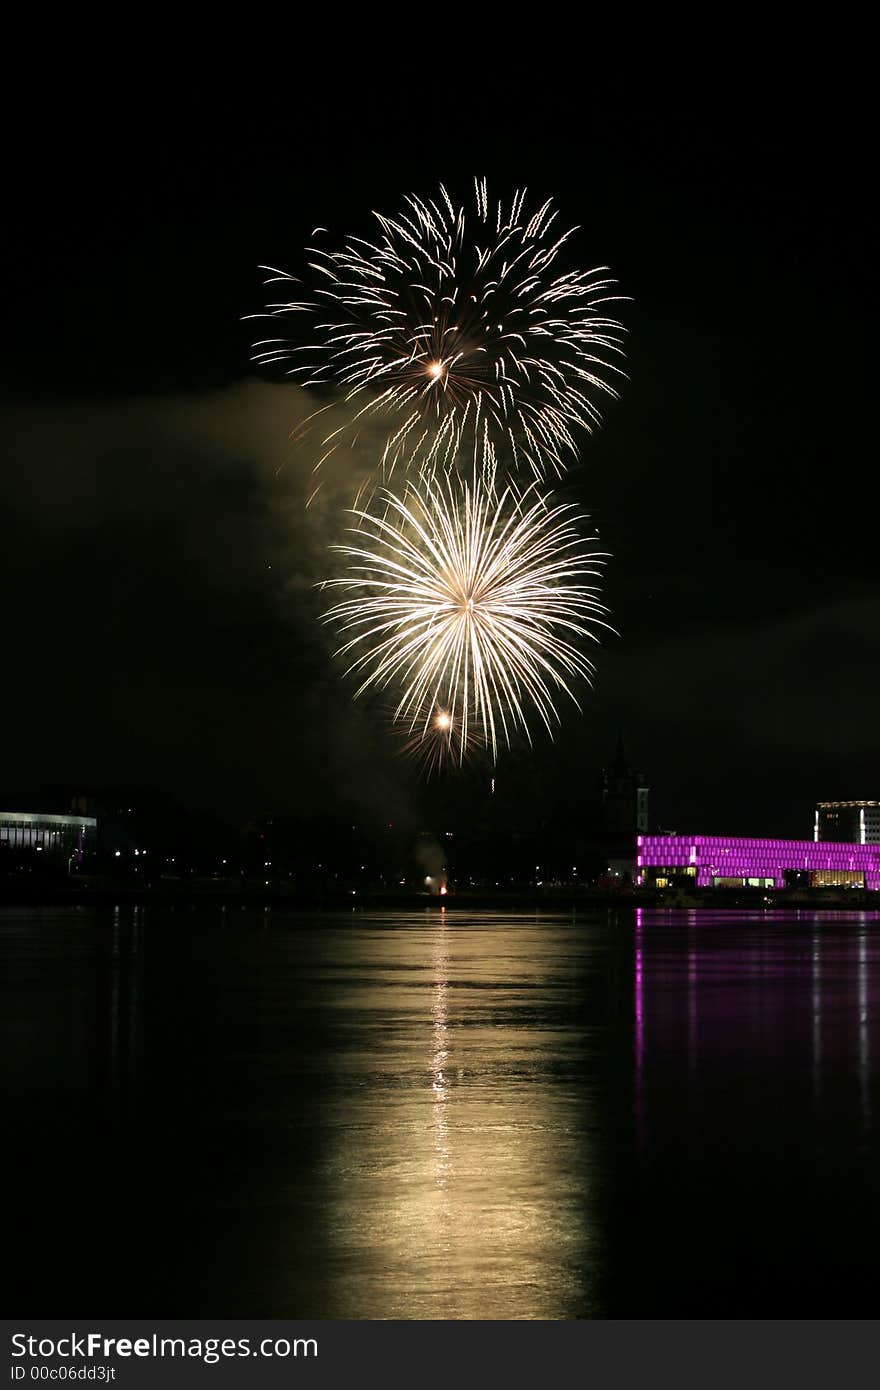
[(463, 1166)]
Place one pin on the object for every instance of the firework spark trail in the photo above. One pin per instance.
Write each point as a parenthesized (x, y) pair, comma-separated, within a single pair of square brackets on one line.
[(468, 604), (455, 333), (440, 740)]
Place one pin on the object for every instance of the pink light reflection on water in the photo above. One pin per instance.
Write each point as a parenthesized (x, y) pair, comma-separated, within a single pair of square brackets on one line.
[(639, 1091)]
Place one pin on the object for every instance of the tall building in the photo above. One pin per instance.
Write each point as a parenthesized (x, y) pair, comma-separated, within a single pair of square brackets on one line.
[(622, 814), (853, 822), (623, 798)]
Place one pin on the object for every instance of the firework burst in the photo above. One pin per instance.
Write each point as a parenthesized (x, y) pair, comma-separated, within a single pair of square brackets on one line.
[(467, 605), (456, 335)]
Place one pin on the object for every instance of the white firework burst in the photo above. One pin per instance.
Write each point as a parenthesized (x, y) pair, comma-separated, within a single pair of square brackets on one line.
[(458, 334), (469, 605)]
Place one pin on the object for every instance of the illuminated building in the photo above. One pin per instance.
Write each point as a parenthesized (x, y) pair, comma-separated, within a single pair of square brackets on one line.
[(856, 822), (712, 861), (56, 837)]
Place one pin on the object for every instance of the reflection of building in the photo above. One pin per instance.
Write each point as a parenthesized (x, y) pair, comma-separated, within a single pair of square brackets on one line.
[(856, 822), (711, 861), (57, 837)]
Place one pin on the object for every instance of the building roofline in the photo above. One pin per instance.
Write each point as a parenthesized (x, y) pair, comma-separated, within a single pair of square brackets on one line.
[(850, 805), (821, 846), (37, 818)]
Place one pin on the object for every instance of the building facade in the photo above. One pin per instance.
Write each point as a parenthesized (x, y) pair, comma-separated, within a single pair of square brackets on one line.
[(854, 822), (713, 861), (26, 833)]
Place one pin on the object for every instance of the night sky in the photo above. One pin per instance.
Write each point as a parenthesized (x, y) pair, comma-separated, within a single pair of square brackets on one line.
[(157, 599)]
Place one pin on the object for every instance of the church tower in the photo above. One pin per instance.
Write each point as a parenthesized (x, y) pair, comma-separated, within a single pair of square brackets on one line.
[(623, 798)]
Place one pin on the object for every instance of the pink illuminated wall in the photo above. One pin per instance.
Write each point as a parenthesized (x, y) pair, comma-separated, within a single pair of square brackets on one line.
[(715, 856)]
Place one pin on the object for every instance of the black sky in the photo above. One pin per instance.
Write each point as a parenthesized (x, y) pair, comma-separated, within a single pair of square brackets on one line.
[(157, 602)]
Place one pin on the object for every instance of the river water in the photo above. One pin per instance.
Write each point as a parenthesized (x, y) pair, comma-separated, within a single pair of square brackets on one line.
[(441, 1114)]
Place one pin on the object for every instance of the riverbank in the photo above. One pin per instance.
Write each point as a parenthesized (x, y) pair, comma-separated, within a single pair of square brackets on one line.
[(33, 891)]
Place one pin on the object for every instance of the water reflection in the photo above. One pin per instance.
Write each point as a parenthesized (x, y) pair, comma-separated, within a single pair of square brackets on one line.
[(639, 1030), (464, 1159), (816, 1031), (864, 1032), (710, 986), (440, 1058), (692, 1000), (441, 1115), (754, 1088)]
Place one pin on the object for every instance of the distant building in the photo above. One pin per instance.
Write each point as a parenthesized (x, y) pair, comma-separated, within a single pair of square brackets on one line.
[(855, 822), (623, 798), (621, 814), (712, 861), (26, 833)]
